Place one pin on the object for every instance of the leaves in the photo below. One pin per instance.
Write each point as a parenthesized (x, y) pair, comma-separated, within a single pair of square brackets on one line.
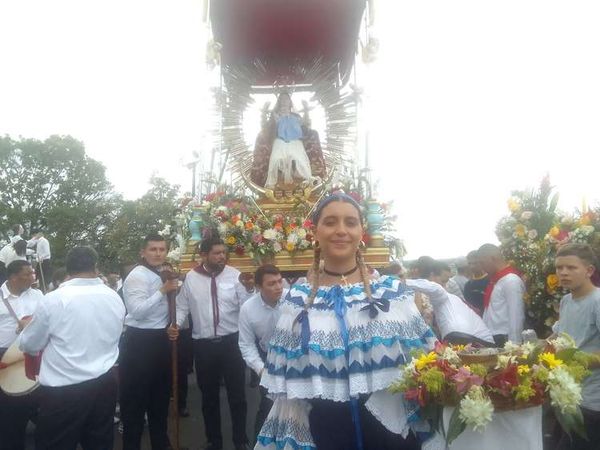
[(571, 423), (455, 426)]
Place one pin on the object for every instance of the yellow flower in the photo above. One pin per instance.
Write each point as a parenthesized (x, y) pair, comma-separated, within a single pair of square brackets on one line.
[(554, 231), (513, 204), (550, 360), (520, 230), (552, 282), (290, 246), (585, 219), (230, 240), (523, 369), (425, 360)]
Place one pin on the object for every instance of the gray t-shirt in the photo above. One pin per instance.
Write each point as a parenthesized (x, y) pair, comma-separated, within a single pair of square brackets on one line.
[(581, 320)]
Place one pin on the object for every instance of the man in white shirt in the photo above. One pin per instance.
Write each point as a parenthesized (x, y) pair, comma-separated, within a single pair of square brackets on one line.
[(213, 293), (258, 317), (43, 255), (145, 365), (78, 328), (456, 321), (504, 307), (22, 300)]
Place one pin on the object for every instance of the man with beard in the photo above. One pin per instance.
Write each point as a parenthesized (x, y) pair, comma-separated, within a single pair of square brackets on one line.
[(213, 293)]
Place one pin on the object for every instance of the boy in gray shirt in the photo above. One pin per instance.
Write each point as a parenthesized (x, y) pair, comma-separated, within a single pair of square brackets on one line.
[(580, 318)]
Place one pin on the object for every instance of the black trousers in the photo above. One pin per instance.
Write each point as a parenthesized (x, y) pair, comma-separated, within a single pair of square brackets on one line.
[(332, 428), (591, 421), (15, 412), (185, 365), (77, 414), (216, 359), (500, 340), (263, 410), (457, 338), (145, 376)]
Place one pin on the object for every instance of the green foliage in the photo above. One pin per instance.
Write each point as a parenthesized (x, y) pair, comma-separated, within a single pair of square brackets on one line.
[(54, 186)]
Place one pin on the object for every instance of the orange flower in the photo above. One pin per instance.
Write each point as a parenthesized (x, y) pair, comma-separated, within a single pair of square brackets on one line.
[(554, 231), (249, 225), (552, 282)]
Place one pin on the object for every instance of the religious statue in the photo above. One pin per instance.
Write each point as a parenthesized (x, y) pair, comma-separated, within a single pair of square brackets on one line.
[(287, 151)]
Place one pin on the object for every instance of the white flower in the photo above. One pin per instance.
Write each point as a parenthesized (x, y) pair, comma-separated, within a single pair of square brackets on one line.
[(270, 234), (410, 369), (301, 233), (277, 247), (511, 347), (206, 204), (304, 244), (292, 238), (526, 215), (565, 393), (563, 342), (451, 356), (505, 360), (476, 409), (532, 234), (239, 224), (222, 229)]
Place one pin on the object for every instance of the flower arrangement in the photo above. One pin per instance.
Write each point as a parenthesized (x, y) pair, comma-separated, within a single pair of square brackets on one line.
[(480, 381), (530, 236)]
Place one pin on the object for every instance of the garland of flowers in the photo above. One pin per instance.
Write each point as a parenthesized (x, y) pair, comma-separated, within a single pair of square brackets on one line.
[(530, 237), (478, 382)]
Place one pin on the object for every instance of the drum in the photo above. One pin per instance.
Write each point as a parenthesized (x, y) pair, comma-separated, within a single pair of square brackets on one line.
[(13, 380)]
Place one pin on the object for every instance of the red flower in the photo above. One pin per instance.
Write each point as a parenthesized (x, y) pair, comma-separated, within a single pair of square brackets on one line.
[(504, 382), (416, 395), (239, 250), (307, 224)]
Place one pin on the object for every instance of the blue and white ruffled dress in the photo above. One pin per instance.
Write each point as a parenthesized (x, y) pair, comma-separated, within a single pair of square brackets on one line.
[(337, 350)]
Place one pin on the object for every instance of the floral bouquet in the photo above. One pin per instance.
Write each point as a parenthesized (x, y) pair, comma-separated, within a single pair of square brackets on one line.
[(520, 376)]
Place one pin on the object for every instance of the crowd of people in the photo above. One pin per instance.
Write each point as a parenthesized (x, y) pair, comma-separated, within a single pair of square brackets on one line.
[(322, 350)]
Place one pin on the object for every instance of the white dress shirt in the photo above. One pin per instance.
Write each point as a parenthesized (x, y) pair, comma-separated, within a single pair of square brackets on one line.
[(257, 323), (23, 305), (455, 316), (195, 298), (42, 248), (78, 326), (147, 307), (506, 311)]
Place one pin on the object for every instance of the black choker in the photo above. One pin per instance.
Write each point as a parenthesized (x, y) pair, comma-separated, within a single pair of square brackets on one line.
[(342, 275)]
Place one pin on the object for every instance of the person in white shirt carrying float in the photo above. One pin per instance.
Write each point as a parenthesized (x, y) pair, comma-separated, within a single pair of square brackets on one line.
[(504, 307), (456, 321), (213, 293), (78, 328), (145, 365), (258, 318)]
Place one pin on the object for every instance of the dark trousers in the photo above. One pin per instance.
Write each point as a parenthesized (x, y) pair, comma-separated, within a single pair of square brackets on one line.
[(457, 338), (15, 412), (77, 414), (216, 359), (145, 375), (591, 420), (185, 365), (500, 340), (332, 429), (263, 410)]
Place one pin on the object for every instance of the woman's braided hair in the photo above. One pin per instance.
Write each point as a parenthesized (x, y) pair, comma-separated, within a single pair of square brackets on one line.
[(316, 266)]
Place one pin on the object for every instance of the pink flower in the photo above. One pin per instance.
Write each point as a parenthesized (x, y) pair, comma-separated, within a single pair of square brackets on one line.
[(464, 379)]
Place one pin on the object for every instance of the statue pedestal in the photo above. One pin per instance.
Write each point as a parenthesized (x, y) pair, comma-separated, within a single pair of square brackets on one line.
[(286, 262)]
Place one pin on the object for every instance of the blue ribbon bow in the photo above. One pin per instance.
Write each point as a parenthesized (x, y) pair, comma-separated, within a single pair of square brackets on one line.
[(373, 306)]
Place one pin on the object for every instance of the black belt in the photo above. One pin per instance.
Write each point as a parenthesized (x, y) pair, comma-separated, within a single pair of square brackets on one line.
[(217, 339)]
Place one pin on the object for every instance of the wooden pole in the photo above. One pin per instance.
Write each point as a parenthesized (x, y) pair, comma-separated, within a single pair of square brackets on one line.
[(174, 372)]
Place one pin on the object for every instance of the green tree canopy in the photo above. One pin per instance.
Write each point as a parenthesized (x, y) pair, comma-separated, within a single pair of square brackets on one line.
[(54, 186)]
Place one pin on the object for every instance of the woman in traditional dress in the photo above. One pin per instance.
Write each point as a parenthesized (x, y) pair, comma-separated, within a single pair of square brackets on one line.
[(288, 156), (341, 341)]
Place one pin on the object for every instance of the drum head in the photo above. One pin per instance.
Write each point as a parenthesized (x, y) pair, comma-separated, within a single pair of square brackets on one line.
[(13, 380)]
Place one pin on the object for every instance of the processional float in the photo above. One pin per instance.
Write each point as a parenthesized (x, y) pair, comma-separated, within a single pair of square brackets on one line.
[(271, 52)]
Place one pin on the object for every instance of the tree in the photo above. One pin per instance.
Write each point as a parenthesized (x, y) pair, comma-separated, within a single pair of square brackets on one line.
[(135, 219), (53, 185)]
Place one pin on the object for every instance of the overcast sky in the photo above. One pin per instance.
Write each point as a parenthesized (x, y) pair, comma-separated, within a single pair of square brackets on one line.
[(467, 101)]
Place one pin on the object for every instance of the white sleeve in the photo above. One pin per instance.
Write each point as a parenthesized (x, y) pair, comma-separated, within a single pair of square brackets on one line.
[(247, 343), (436, 293), (241, 292), (513, 292), (137, 301), (183, 303), (36, 334)]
